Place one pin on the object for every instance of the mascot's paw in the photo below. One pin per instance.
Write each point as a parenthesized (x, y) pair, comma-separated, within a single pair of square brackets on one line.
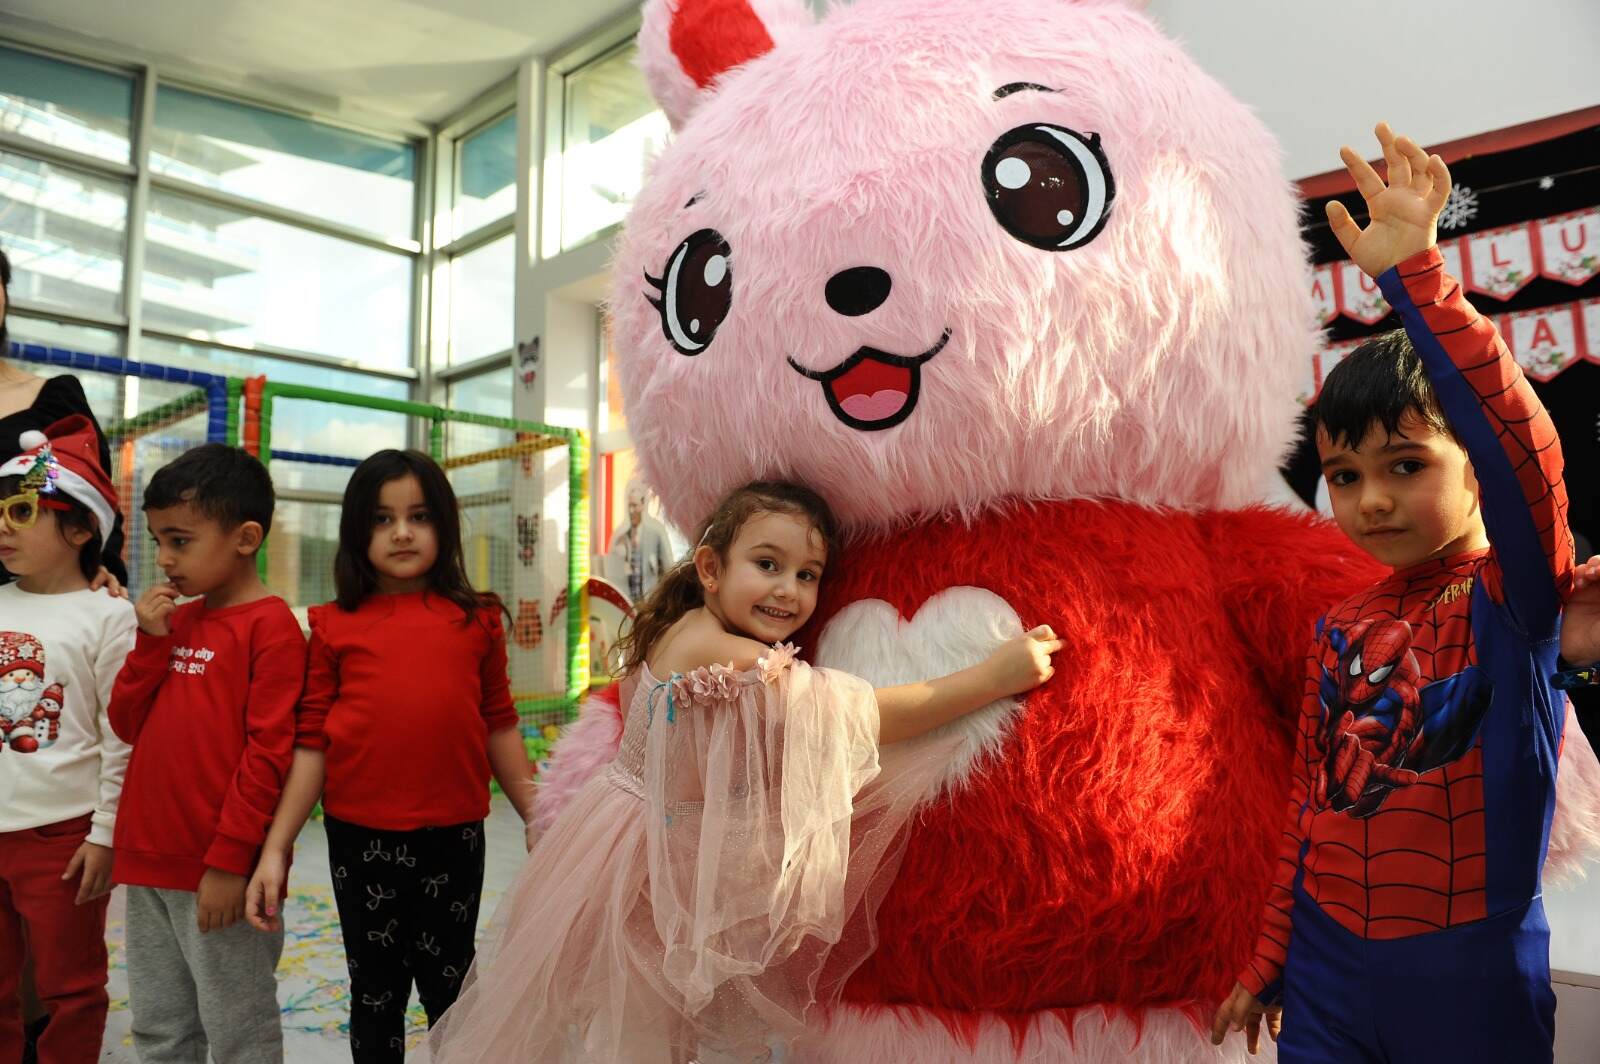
[(586, 746), (1575, 830), (906, 1035)]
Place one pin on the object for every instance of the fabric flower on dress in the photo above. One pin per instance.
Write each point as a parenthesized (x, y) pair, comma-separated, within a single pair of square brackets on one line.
[(707, 686), (780, 657)]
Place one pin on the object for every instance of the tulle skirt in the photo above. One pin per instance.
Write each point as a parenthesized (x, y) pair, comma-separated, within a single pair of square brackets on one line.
[(702, 905)]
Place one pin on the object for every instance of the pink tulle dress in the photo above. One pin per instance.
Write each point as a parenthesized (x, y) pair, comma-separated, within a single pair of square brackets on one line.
[(713, 885)]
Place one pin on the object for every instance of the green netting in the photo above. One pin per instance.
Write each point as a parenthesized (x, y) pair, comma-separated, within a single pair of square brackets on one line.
[(522, 488)]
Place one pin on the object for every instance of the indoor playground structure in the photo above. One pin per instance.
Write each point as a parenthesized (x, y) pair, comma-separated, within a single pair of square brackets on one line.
[(522, 486)]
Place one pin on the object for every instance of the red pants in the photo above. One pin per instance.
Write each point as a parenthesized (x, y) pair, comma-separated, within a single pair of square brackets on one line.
[(68, 942)]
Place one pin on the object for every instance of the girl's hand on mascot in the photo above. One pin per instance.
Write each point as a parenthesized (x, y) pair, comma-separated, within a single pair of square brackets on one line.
[(1242, 1012), (1023, 663), (1402, 213)]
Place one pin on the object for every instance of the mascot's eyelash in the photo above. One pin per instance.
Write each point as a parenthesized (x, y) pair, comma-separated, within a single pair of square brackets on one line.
[(660, 285)]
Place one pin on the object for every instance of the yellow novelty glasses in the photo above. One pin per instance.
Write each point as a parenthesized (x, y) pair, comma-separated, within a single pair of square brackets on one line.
[(22, 509)]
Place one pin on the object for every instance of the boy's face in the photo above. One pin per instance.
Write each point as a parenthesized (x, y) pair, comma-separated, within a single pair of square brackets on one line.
[(43, 548), (196, 553), (1405, 498)]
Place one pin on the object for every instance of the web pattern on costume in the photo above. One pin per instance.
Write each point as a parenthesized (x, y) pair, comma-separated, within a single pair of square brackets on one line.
[(1420, 863), (1419, 866)]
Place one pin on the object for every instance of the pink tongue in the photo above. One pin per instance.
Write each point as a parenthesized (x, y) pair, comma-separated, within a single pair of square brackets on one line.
[(873, 390)]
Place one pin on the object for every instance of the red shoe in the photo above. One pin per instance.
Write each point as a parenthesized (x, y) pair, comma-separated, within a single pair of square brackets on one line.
[(24, 744)]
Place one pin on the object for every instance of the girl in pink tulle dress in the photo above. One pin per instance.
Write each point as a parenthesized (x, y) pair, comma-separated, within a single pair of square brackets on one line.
[(719, 879)]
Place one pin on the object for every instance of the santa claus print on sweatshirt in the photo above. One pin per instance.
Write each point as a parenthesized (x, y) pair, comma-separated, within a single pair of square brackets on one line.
[(59, 759), (30, 712)]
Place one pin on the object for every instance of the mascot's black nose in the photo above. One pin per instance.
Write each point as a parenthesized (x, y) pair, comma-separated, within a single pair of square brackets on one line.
[(857, 291)]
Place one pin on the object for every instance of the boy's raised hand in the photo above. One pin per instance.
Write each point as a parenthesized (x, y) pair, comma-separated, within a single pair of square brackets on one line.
[(1402, 213)]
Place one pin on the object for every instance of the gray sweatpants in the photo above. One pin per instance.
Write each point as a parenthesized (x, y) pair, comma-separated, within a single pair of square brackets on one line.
[(191, 991)]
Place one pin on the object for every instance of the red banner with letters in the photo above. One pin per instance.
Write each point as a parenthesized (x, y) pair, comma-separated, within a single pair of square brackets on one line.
[(1497, 263), (1545, 341)]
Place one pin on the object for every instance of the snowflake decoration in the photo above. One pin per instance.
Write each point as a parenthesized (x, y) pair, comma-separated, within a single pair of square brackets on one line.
[(1459, 209), (1547, 183)]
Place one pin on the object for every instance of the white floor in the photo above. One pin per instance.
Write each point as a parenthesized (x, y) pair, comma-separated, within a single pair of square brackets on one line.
[(312, 989)]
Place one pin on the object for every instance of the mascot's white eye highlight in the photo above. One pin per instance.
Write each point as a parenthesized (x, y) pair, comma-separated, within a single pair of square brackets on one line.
[(1380, 675), (696, 291), (1049, 186)]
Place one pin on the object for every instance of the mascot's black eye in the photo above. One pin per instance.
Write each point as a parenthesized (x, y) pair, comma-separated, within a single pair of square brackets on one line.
[(696, 291), (1048, 185)]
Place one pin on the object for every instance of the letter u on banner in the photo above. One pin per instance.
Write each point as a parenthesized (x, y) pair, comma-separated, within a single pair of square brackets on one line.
[(1569, 246)]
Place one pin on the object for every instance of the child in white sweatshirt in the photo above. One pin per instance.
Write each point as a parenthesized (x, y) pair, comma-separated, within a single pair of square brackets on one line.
[(61, 767)]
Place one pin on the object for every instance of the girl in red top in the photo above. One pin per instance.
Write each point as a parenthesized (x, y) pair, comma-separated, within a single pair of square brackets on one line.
[(406, 712)]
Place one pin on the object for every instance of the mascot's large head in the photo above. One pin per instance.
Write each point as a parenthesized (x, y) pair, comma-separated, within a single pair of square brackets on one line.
[(930, 255)]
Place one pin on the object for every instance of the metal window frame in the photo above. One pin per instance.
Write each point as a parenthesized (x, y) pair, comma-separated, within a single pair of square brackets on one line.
[(136, 174), (598, 46), (491, 106)]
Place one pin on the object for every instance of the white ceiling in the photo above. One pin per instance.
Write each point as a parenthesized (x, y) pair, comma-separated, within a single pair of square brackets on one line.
[(412, 60)]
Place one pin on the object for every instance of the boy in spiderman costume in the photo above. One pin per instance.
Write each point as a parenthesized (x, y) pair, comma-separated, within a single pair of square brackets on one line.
[(1405, 922)]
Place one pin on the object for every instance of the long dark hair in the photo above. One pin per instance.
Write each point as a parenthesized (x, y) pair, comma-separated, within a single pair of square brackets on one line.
[(355, 579), (679, 590)]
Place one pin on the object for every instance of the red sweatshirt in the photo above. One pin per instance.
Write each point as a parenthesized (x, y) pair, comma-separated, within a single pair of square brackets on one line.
[(403, 694), (209, 710)]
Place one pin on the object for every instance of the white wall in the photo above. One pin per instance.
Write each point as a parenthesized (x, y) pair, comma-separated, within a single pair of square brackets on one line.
[(1322, 74)]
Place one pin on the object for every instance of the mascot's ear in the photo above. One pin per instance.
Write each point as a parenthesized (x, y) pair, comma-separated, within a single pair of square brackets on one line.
[(685, 45)]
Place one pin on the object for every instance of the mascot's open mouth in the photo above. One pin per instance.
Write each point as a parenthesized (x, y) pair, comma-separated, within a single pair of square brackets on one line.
[(873, 389)]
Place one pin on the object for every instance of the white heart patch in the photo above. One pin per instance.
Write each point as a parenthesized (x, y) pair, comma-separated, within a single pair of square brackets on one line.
[(953, 630)]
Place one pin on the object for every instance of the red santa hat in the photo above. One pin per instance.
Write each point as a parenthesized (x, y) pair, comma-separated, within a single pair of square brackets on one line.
[(19, 650), (65, 459)]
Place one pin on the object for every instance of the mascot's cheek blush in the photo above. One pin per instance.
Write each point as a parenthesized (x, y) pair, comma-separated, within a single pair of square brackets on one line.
[(873, 394)]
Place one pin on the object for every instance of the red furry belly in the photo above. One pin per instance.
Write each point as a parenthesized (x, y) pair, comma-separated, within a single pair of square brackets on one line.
[(1117, 850)]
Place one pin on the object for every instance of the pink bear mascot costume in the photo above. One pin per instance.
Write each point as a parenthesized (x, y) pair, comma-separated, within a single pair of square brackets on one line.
[(1019, 289)]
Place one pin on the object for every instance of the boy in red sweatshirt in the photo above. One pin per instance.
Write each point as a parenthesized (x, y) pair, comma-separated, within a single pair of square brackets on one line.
[(207, 699)]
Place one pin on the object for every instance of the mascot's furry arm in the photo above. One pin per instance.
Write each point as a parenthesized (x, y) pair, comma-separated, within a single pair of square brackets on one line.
[(586, 746)]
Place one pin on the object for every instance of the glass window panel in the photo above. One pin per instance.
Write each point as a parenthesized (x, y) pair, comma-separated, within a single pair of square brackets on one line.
[(358, 180), (104, 390), (217, 274), (298, 424), (611, 129), (65, 233), (483, 393), (482, 309), (65, 105), (487, 186)]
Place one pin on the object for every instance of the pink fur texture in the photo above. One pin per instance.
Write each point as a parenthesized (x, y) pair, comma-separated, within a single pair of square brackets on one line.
[(861, 143), (829, 213), (586, 746), (1575, 829)]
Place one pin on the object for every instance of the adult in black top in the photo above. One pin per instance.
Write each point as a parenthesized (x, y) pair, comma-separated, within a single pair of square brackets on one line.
[(29, 402)]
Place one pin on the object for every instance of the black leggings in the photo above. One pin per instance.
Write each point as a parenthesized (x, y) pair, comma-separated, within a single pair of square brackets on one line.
[(408, 909)]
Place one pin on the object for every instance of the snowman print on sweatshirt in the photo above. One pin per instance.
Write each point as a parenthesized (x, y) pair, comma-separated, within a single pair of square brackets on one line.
[(30, 710)]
